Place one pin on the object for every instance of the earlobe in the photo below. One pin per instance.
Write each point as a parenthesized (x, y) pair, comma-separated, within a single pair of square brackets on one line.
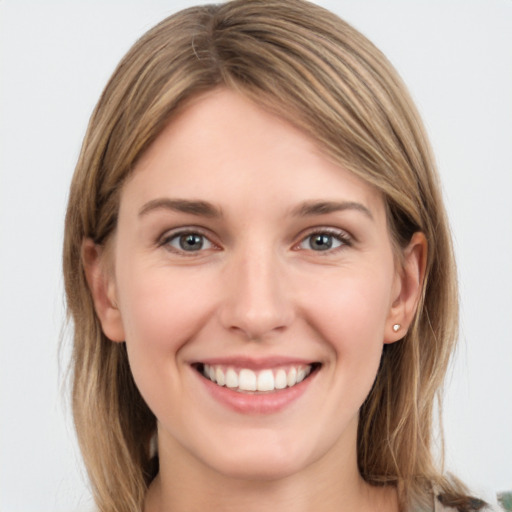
[(409, 288), (102, 286)]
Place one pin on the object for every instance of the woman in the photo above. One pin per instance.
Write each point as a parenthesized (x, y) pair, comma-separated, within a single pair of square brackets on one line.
[(260, 273)]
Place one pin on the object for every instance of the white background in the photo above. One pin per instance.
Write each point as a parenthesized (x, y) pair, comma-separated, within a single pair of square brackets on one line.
[(456, 57)]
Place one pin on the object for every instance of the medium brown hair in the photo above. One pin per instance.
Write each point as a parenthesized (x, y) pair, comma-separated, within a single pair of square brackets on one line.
[(314, 70)]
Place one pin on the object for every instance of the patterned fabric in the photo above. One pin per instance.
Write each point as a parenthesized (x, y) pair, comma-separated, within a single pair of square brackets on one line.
[(437, 506), (505, 500)]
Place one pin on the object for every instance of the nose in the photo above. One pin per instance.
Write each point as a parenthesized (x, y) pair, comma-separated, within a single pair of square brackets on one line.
[(257, 301)]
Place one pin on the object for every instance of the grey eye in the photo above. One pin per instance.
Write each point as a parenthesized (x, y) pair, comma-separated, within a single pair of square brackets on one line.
[(321, 242), (189, 242)]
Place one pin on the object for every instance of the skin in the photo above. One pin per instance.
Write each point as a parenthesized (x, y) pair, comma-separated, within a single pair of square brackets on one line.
[(259, 287)]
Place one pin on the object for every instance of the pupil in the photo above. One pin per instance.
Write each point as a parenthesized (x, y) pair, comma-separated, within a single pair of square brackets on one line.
[(191, 242), (321, 242)]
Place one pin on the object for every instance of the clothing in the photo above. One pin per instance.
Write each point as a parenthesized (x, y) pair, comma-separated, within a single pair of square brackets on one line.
[(437, 506)]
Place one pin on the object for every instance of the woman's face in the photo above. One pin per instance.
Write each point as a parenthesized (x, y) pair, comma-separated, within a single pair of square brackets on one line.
[(255, 285)]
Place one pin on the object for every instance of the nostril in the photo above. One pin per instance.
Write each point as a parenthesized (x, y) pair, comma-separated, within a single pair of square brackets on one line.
[(256, 302), (257, 326)]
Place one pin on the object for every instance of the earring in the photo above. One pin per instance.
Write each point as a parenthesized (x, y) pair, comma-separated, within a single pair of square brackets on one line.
[(396, 327)]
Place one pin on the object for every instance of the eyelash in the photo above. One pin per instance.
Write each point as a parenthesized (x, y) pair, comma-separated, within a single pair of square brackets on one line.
[(166, 240), (340, 236)]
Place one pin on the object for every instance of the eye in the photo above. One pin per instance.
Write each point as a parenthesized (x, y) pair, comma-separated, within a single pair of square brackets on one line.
[(322, 241), (188, 241)]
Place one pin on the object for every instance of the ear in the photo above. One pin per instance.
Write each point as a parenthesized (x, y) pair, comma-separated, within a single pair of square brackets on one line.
[(101, 281), (408, 288)]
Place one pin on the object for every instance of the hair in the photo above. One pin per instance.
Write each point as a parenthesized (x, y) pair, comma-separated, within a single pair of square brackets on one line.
[(314, 70)]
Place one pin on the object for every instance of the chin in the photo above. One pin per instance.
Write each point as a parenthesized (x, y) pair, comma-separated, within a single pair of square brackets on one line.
[(254, 463), (258, 470)]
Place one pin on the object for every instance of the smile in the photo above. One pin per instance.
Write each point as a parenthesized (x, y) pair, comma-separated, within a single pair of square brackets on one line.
[(246, 380)]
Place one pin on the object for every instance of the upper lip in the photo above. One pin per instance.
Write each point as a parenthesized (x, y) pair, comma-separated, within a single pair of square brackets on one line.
[(252, 363)]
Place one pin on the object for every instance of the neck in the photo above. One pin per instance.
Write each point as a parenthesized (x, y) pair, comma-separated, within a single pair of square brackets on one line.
[(330, 484), (285, 496)]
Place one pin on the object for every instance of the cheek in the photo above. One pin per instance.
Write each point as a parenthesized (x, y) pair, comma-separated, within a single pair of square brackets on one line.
[(351, 308), (161, 308), (351, 319), (161, 312), (354, 327)]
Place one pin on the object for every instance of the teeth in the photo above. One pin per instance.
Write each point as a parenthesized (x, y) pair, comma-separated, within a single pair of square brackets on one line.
[(280, 380), (291, 378), (249, 380), (266, 381), (220, 377), (231, 378), (246, 380)]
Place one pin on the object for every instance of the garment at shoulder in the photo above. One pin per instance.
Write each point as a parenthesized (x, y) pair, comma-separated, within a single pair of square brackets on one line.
[(439, 507)]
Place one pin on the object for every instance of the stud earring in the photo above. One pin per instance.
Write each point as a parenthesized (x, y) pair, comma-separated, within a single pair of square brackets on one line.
[(396, 327)]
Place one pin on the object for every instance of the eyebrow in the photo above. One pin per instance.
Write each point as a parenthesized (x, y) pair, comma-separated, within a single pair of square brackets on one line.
[(206, 209), (193, 207), (310, 208)]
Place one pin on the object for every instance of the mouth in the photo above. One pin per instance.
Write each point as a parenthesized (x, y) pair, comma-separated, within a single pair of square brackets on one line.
[(265, 380)]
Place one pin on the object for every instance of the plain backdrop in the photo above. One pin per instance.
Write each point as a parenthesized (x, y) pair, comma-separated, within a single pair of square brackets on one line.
[(455, 56)]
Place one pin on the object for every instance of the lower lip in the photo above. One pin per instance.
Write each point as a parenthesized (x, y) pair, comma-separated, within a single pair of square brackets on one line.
[(257, 403)]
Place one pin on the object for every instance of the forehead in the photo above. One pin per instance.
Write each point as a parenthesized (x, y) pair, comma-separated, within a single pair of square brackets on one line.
[(222, 145)]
